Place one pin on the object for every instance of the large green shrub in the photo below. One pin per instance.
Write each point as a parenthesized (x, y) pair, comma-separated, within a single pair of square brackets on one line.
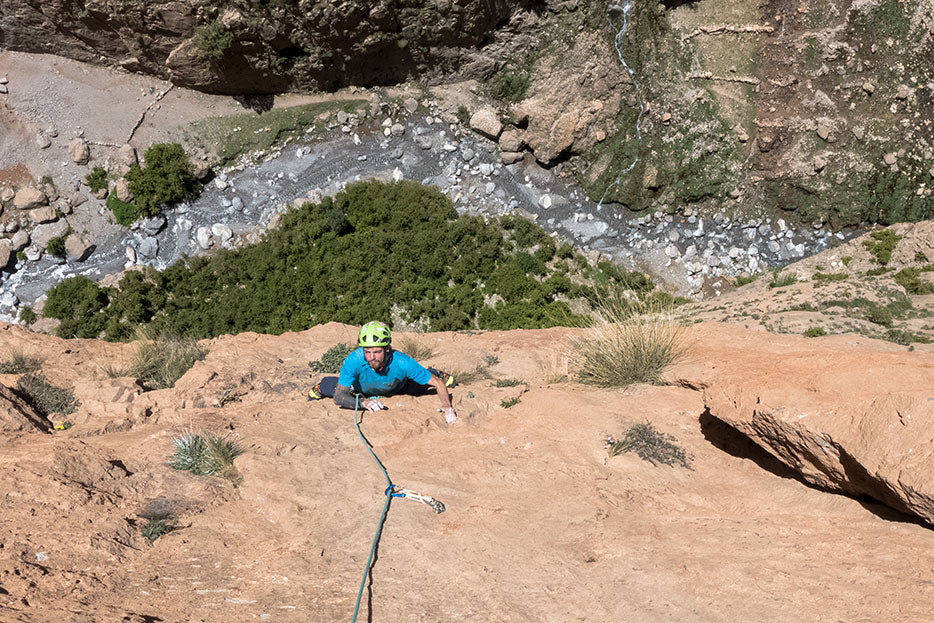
[(375, 250), (213, 40), (165, 179)]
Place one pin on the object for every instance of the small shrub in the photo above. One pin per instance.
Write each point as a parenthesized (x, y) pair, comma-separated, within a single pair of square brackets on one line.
[(507, 382), (415, 348), (905, 338), (204, 454), (45, 397), (878, 270), (161, 360), (27, 316), (877, 314), (227, 395), (491, 360), (782, 280), (511, 402), (742, 280), (627, 343), (815, 332), (156, 527), (920, 257), (18, 363), (882, 244), (510, 85), (96, 179), (213, 40), (463, 115), (330, 362), (466, 377), (846, 259), (650, 445), (56, 246)]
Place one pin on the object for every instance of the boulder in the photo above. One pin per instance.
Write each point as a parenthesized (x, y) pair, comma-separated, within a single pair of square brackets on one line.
[(78, 247), (486, 122), (43, 215), (868, 432), (148, 248), (126, 158), (27, 198), (510, 140), (79, 151)]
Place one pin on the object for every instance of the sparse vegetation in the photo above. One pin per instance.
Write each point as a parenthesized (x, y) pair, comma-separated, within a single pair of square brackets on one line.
[(507, 382), (910, 279), (628, 343), (463, 115), (650, 445), (815, 332), (742, 280), (27, 316), (510, 402), (44, 397), (330, 362), (827, 277), (158, 526), (491, 360), (205, 454), (229, 393), (162, 359), (510, 85), (125, 213)]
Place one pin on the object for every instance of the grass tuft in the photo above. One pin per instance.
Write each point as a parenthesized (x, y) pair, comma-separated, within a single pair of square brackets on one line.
[(161, 360), (780, 280), (204, 454), (511, 402), (154, 528), (507, 382), (627, 343), (416, 348), (651, 445)]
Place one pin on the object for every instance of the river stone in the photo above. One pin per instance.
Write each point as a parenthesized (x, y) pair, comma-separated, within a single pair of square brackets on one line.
[(148, 247), (397, 129), (410, 104), (153, 225), (222, 231), (510, 157), (204, 236), (21, 240), (6, 252), (486, 122), (130, 254), (27, 198), (33, 253), (43, 141), (78, 247), (42, 215)]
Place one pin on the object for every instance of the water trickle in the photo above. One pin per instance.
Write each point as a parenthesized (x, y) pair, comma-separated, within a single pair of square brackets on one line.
[(624, 10)]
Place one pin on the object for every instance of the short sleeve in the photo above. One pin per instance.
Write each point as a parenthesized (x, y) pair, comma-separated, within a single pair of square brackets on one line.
[(415, 371), (348, 374)]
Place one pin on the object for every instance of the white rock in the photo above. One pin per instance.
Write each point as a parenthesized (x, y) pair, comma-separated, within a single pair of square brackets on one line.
[(204, 237), (222, 231), (672, 251), (397, 175), (545, 201), (130, 254)]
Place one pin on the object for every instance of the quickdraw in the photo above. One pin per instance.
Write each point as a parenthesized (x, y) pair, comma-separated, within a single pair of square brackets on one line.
[(395, 491)]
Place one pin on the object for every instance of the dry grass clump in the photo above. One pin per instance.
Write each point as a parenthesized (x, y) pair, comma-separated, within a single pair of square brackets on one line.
[(161, 360), (20, 363), (45, 397), (627, 342), (416, 348), (651, 445)]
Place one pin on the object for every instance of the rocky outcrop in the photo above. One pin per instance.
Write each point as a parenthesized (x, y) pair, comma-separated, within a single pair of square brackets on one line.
[(16, 416), (852, 419), (268, 47)]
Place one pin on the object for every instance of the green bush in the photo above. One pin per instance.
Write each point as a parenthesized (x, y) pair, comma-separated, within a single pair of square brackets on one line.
[(511, 402), (330, 362), (56, 246), (125, 213), (825, 277), (742, 280), (882, 244), (877, 314), (814, 332), (507, 382), (213, 40), (156, 527), (405, 252), (96, 179), (463, 115), (910, 279), (650, 445), (780, 280), (45, 397), (166, 178)]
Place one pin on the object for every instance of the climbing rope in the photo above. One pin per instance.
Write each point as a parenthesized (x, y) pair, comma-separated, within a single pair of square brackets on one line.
[(392, 491)]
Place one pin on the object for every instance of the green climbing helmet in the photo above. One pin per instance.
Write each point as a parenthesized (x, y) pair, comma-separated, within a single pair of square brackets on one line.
[(374, 333)]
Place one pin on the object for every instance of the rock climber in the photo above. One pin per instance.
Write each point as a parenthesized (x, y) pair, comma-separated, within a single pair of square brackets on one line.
[(375, 370)]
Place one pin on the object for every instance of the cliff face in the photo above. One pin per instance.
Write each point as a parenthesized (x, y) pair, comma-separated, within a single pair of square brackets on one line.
[(264, 47)]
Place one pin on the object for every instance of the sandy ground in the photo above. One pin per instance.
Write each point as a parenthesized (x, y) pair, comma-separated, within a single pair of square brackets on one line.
[(540, 524)]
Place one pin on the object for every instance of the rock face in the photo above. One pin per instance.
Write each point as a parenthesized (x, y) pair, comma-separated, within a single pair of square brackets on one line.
[(16, 416), (858, 421), (271, 47), (78, 247)]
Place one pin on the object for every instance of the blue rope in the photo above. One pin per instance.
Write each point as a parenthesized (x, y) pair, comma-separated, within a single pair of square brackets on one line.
[(382, 517)]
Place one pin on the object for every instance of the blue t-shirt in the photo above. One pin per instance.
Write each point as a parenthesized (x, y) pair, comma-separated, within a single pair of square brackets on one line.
[(357, 374)]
